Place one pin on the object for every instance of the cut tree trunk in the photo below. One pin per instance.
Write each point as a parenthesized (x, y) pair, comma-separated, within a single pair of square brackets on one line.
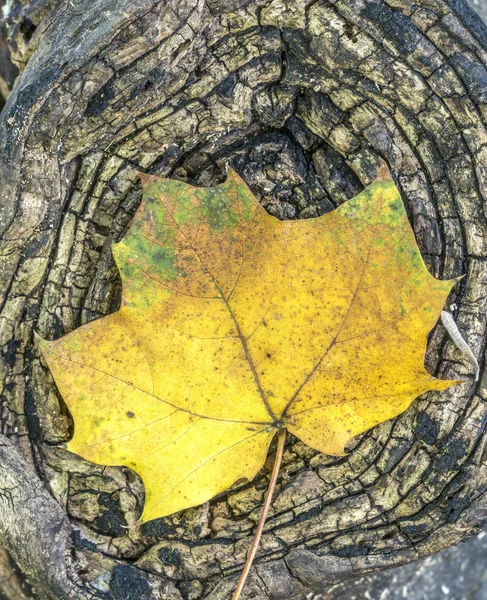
[(302, 98)]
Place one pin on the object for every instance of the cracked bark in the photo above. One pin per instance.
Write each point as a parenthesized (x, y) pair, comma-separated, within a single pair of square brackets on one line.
[(302, 97)]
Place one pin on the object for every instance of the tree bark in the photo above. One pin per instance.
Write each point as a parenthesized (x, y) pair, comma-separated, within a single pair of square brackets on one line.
[(303, 98)]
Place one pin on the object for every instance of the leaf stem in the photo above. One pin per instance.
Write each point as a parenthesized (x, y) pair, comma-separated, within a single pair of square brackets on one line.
[(281, 440)]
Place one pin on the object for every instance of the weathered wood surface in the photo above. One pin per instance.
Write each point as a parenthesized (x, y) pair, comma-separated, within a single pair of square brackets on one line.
[(302, 98)]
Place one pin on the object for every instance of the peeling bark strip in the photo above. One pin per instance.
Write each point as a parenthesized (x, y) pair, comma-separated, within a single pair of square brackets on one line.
[(453, 331), (302, 98)]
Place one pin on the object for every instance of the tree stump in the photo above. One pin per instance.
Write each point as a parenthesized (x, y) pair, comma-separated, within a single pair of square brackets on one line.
[(303, 98)]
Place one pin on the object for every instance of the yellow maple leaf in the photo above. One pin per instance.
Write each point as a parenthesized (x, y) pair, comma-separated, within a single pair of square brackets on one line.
[(235, 325)]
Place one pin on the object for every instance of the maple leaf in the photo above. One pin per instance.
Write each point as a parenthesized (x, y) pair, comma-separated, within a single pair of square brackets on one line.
[(235, 325)]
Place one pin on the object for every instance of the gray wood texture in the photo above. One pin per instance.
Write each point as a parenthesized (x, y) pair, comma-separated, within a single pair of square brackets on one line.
[(302, 98)]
